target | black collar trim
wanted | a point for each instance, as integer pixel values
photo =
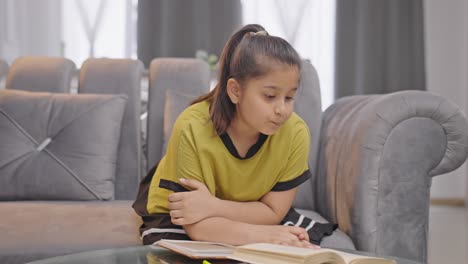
(252, 150)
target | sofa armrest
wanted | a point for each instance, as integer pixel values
(377, 157)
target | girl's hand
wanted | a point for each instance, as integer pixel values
(282, 235)
(191, 207)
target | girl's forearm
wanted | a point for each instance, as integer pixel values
(221, 230)
(256, 212)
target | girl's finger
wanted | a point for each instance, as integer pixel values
(175, 197)
(174, 206)
(178, 221)
(176, 213)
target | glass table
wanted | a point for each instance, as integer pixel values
(148, 255)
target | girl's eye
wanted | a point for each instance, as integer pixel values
(289, 98)
(270, 97)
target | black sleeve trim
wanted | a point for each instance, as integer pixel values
(288, 185)
(172, 186)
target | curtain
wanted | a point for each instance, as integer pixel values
(379, 46)
(179, 28)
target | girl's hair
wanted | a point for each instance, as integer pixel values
(246, 55)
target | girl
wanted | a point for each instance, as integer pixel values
(236, 156)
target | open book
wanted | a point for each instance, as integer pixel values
(262, 253)
(197, 249)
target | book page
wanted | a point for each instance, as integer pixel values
(204, 247)
(196, 248)
(360, 259)
(271, 254)
(285, 250)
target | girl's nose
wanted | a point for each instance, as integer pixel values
(279, 108)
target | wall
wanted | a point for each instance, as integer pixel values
(30, 28)
(446, 32)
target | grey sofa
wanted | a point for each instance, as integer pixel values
(3, 72)
(373, 157)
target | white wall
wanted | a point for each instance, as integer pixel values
(446, 31)
(30, 28)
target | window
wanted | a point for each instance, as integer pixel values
(99, 29)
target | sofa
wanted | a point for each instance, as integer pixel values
(3, 72)
(70, 162)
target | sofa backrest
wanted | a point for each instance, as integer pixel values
(308, 106)
(41, 74)
(188, 76)
(120, 76)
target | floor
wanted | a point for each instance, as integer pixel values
(448, 235)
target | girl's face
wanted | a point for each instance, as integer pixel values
(265, 103)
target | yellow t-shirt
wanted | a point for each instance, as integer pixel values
(275, 163)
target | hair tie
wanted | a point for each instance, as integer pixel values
(258, 33)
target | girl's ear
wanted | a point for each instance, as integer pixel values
(233, 89)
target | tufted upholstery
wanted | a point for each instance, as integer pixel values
(58, 146)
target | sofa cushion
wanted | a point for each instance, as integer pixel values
(34, 230)
(58, 146)
(175, 104)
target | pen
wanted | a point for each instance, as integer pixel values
(206, 262)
